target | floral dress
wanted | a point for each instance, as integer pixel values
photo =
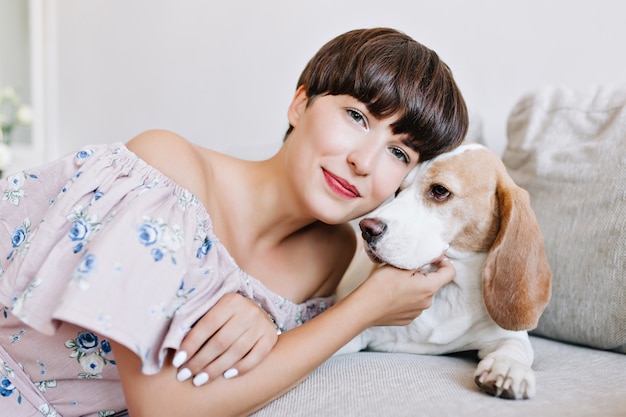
(100, 246)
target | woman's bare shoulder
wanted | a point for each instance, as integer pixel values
(174, 156)
(165, 150)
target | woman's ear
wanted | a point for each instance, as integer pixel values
(297, 106)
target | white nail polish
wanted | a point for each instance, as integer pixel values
(183, 375)
(231, 373)
(201, 379)
(179, 358)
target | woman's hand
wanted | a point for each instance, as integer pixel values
(398, 296)
(230, 339)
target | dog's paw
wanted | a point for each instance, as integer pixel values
(504, 377)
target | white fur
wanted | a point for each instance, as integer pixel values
(416, 234)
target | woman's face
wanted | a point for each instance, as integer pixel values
(344, 160)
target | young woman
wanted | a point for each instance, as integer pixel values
(109, 256)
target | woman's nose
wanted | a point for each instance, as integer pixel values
(362, 159)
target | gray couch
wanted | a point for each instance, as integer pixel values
(571, 381)
(568, 149)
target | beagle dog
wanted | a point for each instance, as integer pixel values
(465, 204)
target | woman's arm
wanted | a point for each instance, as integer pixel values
(388, 297)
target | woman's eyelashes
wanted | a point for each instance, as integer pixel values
(358, 117)
(400, 154)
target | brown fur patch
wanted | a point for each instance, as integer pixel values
(495, 216)
(473, 200)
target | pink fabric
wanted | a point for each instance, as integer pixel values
(100, 246)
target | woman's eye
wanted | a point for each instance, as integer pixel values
(440, 193)
(357, 117)
(400, 154)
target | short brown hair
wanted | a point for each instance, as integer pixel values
(391, 74)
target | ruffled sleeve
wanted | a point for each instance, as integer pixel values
(114, 247)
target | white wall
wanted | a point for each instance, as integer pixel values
(15, 54)
(222, 73)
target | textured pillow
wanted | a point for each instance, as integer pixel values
(568, 149)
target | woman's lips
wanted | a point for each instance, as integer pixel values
(341, 186)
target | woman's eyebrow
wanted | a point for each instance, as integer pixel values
(410, 143)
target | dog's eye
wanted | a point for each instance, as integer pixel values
(439, 192)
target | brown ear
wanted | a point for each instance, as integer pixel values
(516, 274)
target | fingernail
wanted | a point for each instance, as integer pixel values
(231, 373)
(201, 379)
(179, 358)
(183, 375)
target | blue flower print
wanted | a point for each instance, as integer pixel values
(78, 230)
(84, 154)
(86, 266)
(160, 237)
(17, 336)
(90, 354)
(20, 239)
(7, 388)
(148, 234)
(204, 248)
(87, 342)
(16, 180)
(157, 254)
(77, 233)
(97, 195)
(15, 193)
(106, 347)
(82, 228)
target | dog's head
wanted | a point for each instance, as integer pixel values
(465, 202)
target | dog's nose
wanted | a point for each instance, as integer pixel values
(372, 228)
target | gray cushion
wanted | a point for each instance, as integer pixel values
(568, 149)
(572, 381)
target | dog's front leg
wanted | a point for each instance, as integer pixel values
(506, 371)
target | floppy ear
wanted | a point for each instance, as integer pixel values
(516, 274)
